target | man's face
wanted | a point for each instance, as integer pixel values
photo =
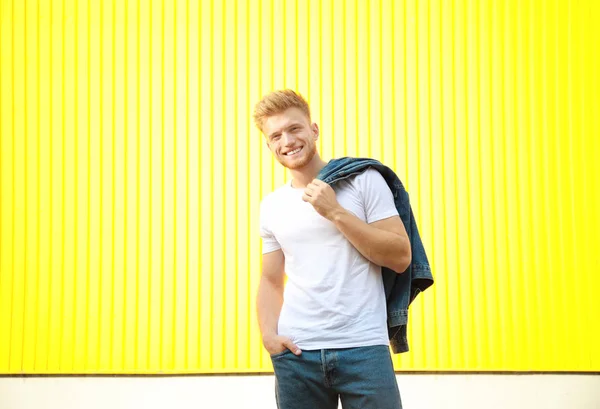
(291, 137)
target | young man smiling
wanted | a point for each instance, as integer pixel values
(326, 331)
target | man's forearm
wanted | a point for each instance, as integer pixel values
(381, 247)
(268, 302)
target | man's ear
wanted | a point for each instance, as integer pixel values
(315, 129)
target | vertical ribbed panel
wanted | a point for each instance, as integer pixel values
(131, 173)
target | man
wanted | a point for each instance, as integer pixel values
(327, 336)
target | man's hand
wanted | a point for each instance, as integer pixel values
(322, 197)
(276, 344)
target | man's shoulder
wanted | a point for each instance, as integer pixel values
(278, 194)
(369, 175)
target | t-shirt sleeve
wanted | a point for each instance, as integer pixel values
(269, 242)
(377, 196)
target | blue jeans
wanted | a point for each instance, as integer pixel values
(362, 378)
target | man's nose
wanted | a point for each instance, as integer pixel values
(287, 139)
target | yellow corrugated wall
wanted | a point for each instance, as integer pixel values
(131, 173)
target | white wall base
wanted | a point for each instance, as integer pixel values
(418, 392)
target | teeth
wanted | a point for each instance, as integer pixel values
(293, 152)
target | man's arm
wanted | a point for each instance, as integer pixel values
(269, 301)
(384, 242)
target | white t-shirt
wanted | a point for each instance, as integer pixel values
(334, 296)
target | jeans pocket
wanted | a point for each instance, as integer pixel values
(280, 354)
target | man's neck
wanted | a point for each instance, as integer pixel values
(302, 177)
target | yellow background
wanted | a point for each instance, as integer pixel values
(131, 173)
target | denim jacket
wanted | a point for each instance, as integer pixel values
(400, 289)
